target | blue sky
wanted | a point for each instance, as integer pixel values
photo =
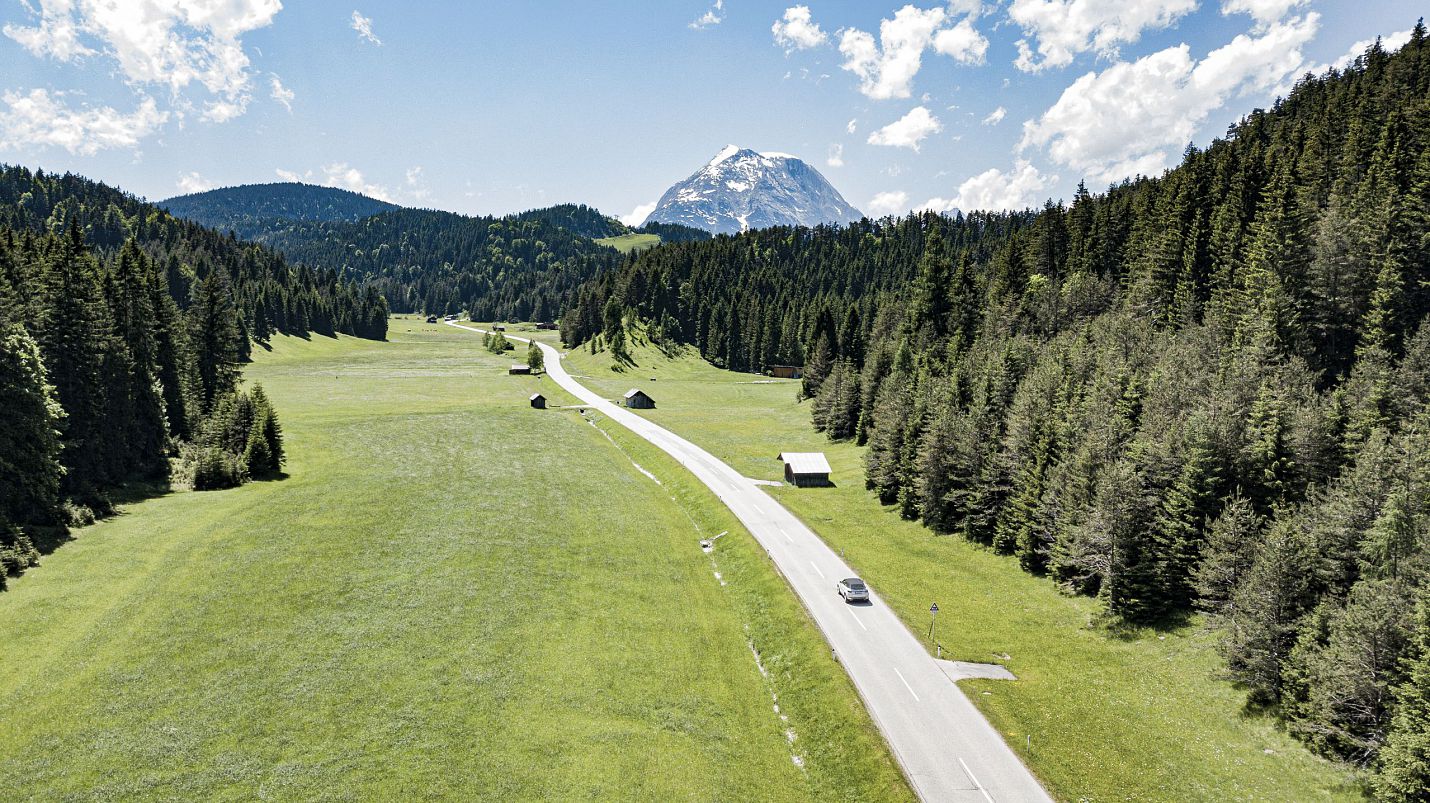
(494, 107)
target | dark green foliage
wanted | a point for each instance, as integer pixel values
(1205, 389)
(1405, 760)
(578, 219)
(29, 447)
(444, 263)
(673, 232)
(535, 360)
(253, 210)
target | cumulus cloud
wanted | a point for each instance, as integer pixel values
(1061, 29)
(344, 175)
(280, 93)
(797, 30)
(994, 190)
(1390, 42)
(908, 131)
(637, 216)
(363, 26)
(1264, 12)
(836, 156)
(193, 182)
(290, 175)
(996, 116)
(174, 44)
(851, 125)
(712, 16)
(886, 68)
(39, 118)
(962, 43)
(1128, 119)
(888, 203)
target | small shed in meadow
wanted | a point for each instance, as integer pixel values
(519, 368)
(805, 469)
(638, 400)
(786, 371)
(538, 401)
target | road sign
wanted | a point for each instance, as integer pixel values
(933, 608)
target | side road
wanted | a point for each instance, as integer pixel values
(947, 749)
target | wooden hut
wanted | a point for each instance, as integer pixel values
(786, 371)
(805, 469)
(538, 401)
(637, 399)
(519, 368)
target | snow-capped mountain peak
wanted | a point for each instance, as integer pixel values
(741, 189)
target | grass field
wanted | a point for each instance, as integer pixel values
(627, 243)
(1098, 715)
(450, 596)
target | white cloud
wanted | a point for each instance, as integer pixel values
(907, 131)
(887, 203)
(1390, 42)
(638, 215)
(1064, 28)
(994, 190)
(851, 125)
(886, 69)
(280, 93)
(415, 186)
(40, 119)
(363, 26)
(797, 31)
(1264, 12)
(344, 175)
(193, 182)
(1127, 119)
(996, 116)
(962, 43)
(171, 43)
(836, 156)
(713, 16)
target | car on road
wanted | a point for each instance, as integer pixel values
(852, 589)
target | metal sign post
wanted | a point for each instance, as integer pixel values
(933, 612)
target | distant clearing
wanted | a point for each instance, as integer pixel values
(626, 243)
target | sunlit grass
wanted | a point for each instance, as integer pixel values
(450, 596)
(1098, 715)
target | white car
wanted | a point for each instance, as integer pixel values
(852, 589)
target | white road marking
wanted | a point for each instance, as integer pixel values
(856, 616)
(816, 568)
(971, 777)
(901, 678)
(785, 534)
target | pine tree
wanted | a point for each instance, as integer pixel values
(30, 470)
(213, 335)
(1404, 763)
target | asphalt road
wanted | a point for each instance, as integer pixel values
(947, 749)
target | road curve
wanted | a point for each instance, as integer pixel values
(947, 749)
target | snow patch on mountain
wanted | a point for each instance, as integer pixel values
(740, 189)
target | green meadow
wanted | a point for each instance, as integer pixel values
(1096, 714)
(627, 243)
(449, 596)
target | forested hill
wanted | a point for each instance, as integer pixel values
(442, 262)
(255, 210)
(578, 219)
(271, 295)
(1203, 391)
(122, 334)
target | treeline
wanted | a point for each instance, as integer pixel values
(443, 263)
(1205, 391)
(104, 379)
(272, 296)
(257, 210)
